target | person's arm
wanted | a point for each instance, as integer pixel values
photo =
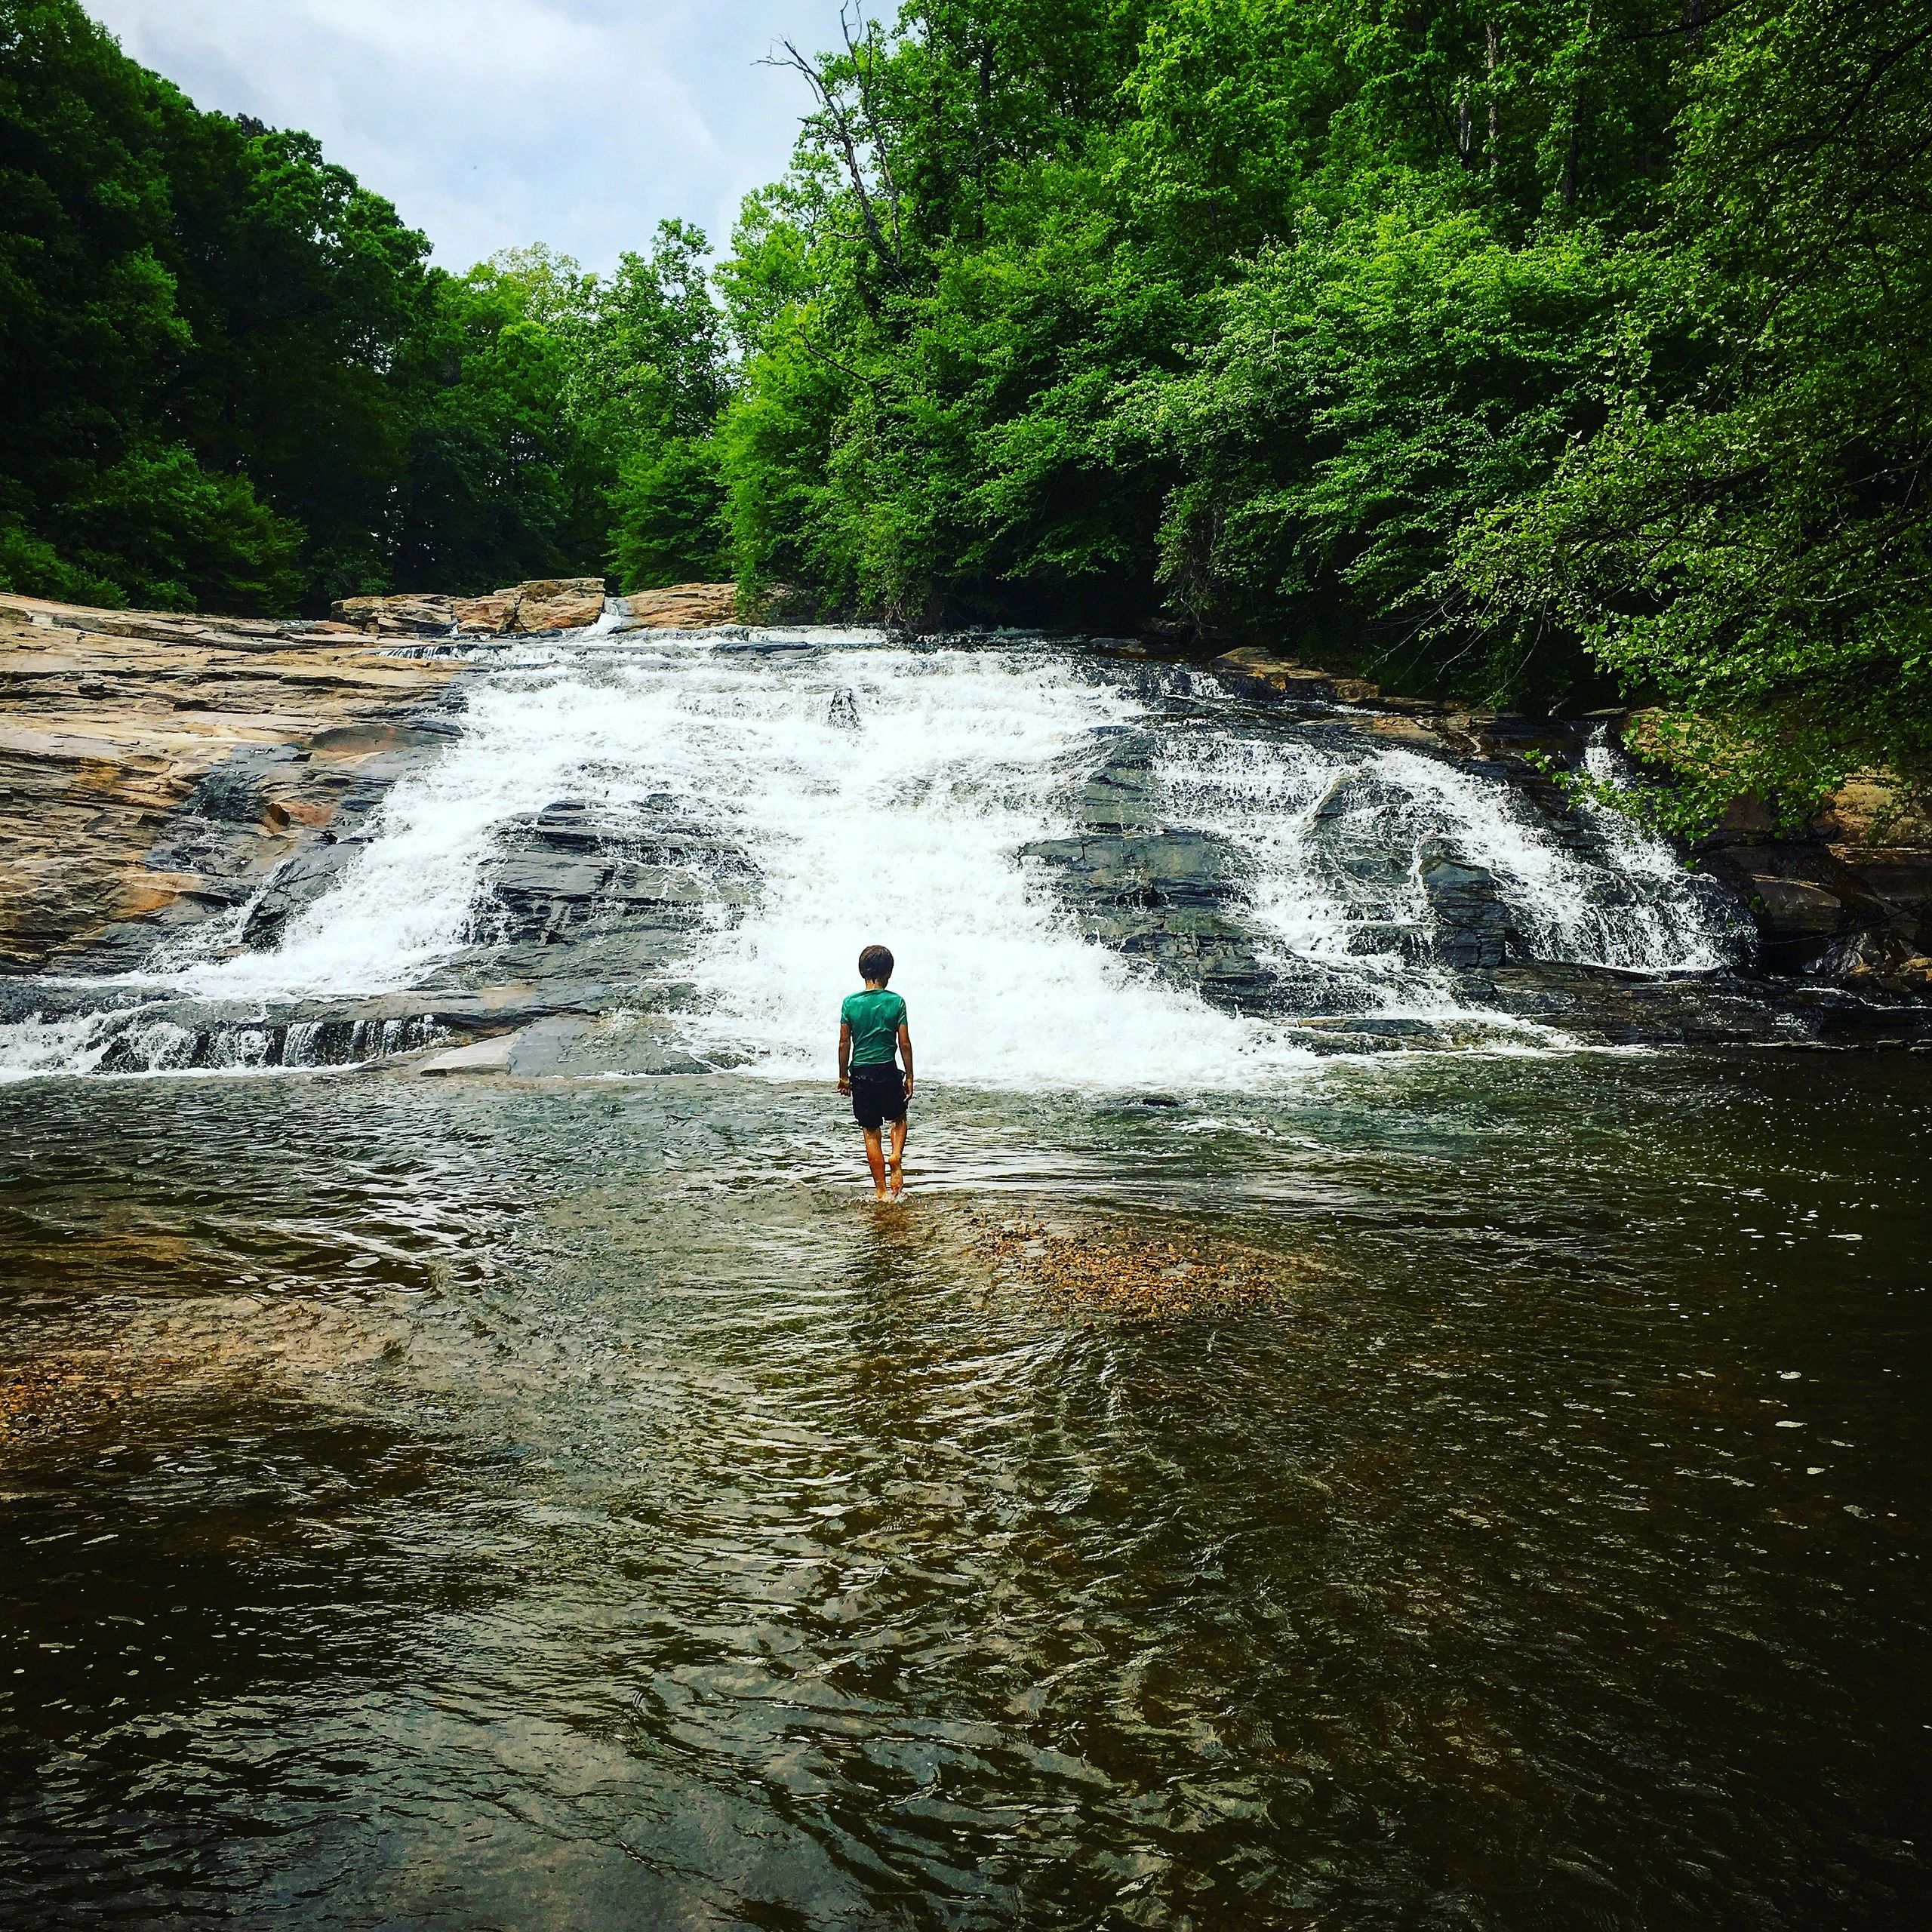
(906, 1054)
(844, 1057)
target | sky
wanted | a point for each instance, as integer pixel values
(493, 124)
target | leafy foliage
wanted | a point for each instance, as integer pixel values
(1527, 350)
(234, 381)
(1749, 534)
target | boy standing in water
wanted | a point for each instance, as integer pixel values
(870, 1025)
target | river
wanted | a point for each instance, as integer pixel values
(1415, 1469)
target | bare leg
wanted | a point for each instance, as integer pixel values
(876, 1160)
(898, 1161)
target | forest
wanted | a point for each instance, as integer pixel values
(1559, 353)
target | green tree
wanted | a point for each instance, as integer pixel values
(498, 485)
(656, 376)
(302, 292)
(98, 498)
(1749, 537)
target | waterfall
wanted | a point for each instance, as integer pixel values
(1332, 836)
(875, 790)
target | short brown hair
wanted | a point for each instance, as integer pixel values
(875, 963)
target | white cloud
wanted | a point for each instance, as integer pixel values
(493, 123)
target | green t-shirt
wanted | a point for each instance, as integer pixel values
(875, 1019)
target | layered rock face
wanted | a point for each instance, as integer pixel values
(685, 606)
(156, 769)
(1849, 898)
(159, 772)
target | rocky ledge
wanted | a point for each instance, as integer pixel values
(156, 769)
(525, 610)
(158, 772)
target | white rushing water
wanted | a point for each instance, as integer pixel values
(1332, 836)
(885, 793)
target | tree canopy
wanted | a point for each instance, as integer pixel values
(1539, 351)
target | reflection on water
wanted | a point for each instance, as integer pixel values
(571, 1504)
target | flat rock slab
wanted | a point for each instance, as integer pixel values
(534, 1050)
(480, 1056)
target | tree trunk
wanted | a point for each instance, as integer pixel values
(1573, 149)
(1492, 51)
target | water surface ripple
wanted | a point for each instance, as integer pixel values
(567, 1503)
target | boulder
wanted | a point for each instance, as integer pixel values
(1473, 922)
(407, 615)
(486, 617)
(1886, 961)
(685, 607)
(557, 604)
(546, 603)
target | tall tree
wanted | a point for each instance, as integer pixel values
(1750, 536)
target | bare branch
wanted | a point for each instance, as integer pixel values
(839, 123)
(859, 66)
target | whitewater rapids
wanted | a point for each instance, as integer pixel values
(887, 792)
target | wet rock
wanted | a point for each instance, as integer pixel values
(1601, 1005)
(1168, 899)
(491, 1056)
(1882, 961)
(1472, 921)
(243, 789)
(1124, 794)
(295, 887)
(1803, 896)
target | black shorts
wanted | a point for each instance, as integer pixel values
(878, 1094)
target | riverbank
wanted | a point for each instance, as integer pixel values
(157, 769)
(1845, 899)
